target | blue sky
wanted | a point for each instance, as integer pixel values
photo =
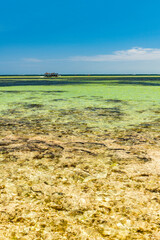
(84, 36)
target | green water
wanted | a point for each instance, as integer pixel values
(103, 103)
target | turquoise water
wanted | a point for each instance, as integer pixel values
(104, 104)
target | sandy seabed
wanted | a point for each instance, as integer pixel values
(76, 183)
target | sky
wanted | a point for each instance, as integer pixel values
(85, 36)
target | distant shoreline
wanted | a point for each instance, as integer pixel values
(85, 75)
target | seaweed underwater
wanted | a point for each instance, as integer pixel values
(80, 167)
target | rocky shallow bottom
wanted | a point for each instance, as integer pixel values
(65, 181)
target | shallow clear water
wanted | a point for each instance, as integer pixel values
(99, 103)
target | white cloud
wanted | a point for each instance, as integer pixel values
(36, 60)
(133, 54)
(32, 60)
